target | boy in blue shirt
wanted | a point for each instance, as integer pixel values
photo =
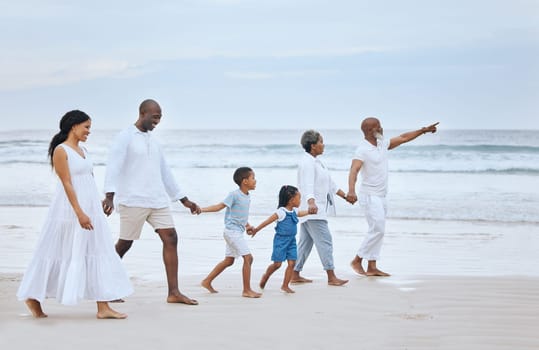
(237, 212)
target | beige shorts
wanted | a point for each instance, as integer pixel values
(132, 220)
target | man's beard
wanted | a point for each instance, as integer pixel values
(378, 136)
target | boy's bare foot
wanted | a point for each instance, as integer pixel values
(376, 272)
(208, 286)
(181, 299)
(110, 314)
(356, 266)
(263, 281)
(337, 282)
(35, 308)
(251, 294)
(300, 279)
(287, 289)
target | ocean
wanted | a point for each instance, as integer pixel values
(453, 175)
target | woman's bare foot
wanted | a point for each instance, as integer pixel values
(251, 294)
(110, 314)
(263, 281)
(356, 266)
(208, 286)
(35, 308)
(300, 279)
(376, 272)
(287, 289)
(337, 282)
(181, 299)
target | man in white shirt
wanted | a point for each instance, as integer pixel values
(141, 183)
(371, 159)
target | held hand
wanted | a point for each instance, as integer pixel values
(192, 206)
(313, 209)
(431, 128)
(85, 222)
(251, 231)
(351, 197)
(108, 206)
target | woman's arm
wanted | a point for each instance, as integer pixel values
(62, 170)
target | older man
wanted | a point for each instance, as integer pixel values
(371, 159)
(139, 176)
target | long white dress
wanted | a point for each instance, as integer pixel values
(69, 262)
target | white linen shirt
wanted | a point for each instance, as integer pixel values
(314, 181)
(137, 172)
(375, 167)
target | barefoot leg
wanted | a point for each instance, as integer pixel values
(269, 271)
(333, 280)
(356, 265)
(179, 298)
(35, 308)
(104, 311)
(372, 270)
(297, 278)
(220, 267)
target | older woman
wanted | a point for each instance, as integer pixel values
(317, 189)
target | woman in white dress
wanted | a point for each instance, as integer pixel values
(74, 257)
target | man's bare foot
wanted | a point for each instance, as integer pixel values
(376, 272)
(251, 294)
(300, 279)
(181, 299)
(110, 314)
(263, 281)
(208, 286)
(287, 289)
(356, 266)
(35, 308)
(337, 282)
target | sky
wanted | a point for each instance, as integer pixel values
(272, 64)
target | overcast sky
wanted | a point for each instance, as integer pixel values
(272, 63)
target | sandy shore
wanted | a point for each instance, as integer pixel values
(369, 313)
(455, 285)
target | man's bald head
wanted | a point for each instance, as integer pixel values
(146, 105)
(368, 124)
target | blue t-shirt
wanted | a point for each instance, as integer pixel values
(237, 210)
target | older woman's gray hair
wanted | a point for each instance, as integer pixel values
(309, 138)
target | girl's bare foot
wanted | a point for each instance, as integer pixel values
(110, 314)
(287, 289)
(251, 294)
(35, 308)
(208, 286)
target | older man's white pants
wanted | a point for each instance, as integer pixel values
(375, 209)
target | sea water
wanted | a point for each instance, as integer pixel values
(469, 175)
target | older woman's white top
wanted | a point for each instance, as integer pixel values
(314, 181)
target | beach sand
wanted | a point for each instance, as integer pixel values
(455, 285)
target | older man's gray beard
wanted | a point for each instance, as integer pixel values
(379, 136)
